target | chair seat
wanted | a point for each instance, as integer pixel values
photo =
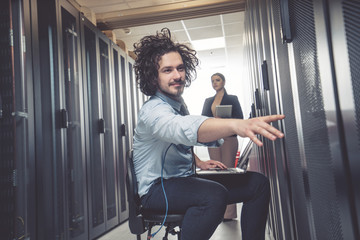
(153, 217)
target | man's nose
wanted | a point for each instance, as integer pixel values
(177, 74)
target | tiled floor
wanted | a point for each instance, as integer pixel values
(225, 231)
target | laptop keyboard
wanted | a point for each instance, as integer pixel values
(230, 170)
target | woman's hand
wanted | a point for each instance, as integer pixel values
(210, 164)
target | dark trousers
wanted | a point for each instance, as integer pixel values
(204, 201)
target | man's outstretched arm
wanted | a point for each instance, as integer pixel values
(216, 128)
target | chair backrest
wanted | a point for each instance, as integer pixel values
(136, 221)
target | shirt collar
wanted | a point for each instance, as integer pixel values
(173, 103)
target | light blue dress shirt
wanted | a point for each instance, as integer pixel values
(162, 133)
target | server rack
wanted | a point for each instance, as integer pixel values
(95, 161)
(71, 148)
(48, 163)
(280, 207)
(313, 197)
(133, 95)
(75, 52)
(119, 72)
(108, 107)
(343, 29)
(17, 150)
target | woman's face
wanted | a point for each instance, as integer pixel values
(217, 83)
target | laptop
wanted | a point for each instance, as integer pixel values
(223, 111)
(241, 166)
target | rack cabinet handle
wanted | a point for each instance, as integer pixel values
(64, 123)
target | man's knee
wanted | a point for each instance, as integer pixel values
(218, 196)
(263, 184)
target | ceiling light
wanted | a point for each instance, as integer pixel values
(127, 31)
(208, 43)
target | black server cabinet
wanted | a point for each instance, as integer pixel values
(275, 159)
(133, 96)
(101, 132)
(275, 68)
(309, 50)
(17, 149)
(119, 75)
(344, 28)
(49, 163)
(107, 128)
(127, 126)
(252, 61)
(71, 122)
(290, 178)
(270, 160)
(94, 140)
(310, 73)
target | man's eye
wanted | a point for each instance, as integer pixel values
(181, 69)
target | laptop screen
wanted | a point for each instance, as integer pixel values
(245, 153)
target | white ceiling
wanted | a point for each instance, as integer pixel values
(188, 20)
(228, 25)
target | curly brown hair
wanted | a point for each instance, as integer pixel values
(149, 51)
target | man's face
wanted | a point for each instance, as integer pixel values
(171, 78)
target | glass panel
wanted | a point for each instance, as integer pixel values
(96, 169)
(120, 111)
(133, 96)
(75, 168)
(108, 135)
(7, 193)
(21, 128)
(7, 153)
(125, 102)
(124, 105)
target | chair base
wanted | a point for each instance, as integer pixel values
(170, 228)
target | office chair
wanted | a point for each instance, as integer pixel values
(141, 219)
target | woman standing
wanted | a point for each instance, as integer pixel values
(227, 152)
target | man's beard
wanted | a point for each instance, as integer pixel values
(179, 91)
(177, 94)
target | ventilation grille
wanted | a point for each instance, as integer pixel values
(296, 179)
(317, 161)
(7, 195)
(352, 29)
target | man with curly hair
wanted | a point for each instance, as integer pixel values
(163, 140)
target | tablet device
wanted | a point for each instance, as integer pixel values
(223, 111)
